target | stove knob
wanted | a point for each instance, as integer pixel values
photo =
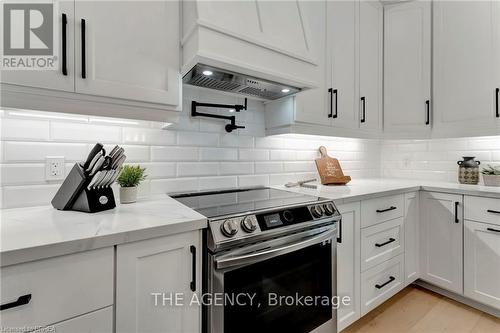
(287, 216)
(317, 211)
(248, 224)
(229, 228)
(329, 209)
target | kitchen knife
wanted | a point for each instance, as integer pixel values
(92, 163)
(99, 180)
(94, 180)
(118, 163)
(97, 165)
(97, 148)
(105, 179)
(117, 154)
(115, 177)
(113, 151)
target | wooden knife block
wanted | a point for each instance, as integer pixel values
(329, 170)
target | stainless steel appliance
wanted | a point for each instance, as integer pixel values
(273, 249)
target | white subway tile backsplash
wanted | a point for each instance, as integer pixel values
(153, 136)
(15, 151)
(173, 154)
(253, 155)
(236, 168)
(74, 132)
(218, 154)
(193, 154)
(197, 169)
(20, 129)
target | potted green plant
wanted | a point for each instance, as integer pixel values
(491, 175)
(130, 177)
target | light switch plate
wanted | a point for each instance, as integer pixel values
(55, 168)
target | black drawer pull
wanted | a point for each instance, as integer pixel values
(388, 242)
(339, 238)
(427, 112)
(64, 45)
(363, 110)
(457, 220)
(84, 51)
(22, 300)
(493, 211)
(386, 210)
(192, 284)
(380, 286)
(497, 90)
(491, 229)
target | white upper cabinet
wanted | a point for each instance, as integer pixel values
(130, 50)
(371, 18)
(466, 66)
(441, 244)
(407, 67)
(52, 79)
(342, 55)
(272, 40)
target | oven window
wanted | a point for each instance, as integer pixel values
(278, 284)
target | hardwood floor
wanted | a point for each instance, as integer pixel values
(418, 310)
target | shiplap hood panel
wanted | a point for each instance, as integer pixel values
(278, 41)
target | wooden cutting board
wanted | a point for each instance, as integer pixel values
(329, 170)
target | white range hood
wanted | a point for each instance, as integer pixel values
(273, 42)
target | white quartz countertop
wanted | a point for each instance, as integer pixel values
(362, 189)
(33, 233)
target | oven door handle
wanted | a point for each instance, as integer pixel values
(253, 257)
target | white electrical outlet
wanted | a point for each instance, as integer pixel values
(55, 168)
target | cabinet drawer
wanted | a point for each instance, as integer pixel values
(100, 321)
(59, 288)
(380, 283)
(482, 209)
(378, 210)
(381, 242)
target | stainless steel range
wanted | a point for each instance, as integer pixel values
(269, 259)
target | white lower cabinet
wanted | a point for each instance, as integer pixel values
(381, 282)
(149, 271)
(381, 242)
(482, 262)
(412, 237)
(348, 265)
(100, 321)
(441, 240)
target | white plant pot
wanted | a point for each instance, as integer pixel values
(491, 180)
(128, 194)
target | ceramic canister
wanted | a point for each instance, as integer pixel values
(468, 171)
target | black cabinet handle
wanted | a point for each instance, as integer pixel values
(332, 104)
(386, 210)
(22, 300)
(336, 93)
(496, 102)
(363, 109)
(491, 229)
(84, 65)
(64, 46)
(456, 212)
(192, 285)
(380, 286)
(339, 238)
(385, 243)
(493, 211)
(427, 112)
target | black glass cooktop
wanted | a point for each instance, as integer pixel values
(241, 200)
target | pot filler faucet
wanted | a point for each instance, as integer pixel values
(229, 127)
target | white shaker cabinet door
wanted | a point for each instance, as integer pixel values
(51, 79)
(371, 16)
(441, 240)
(128, 49)
(407, 67)
(161, 265)
(342, 29)
(466, 61)
(348, 264)
(482, 262)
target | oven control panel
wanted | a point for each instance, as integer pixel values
(236, 227)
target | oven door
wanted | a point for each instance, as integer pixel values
(280, 285)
